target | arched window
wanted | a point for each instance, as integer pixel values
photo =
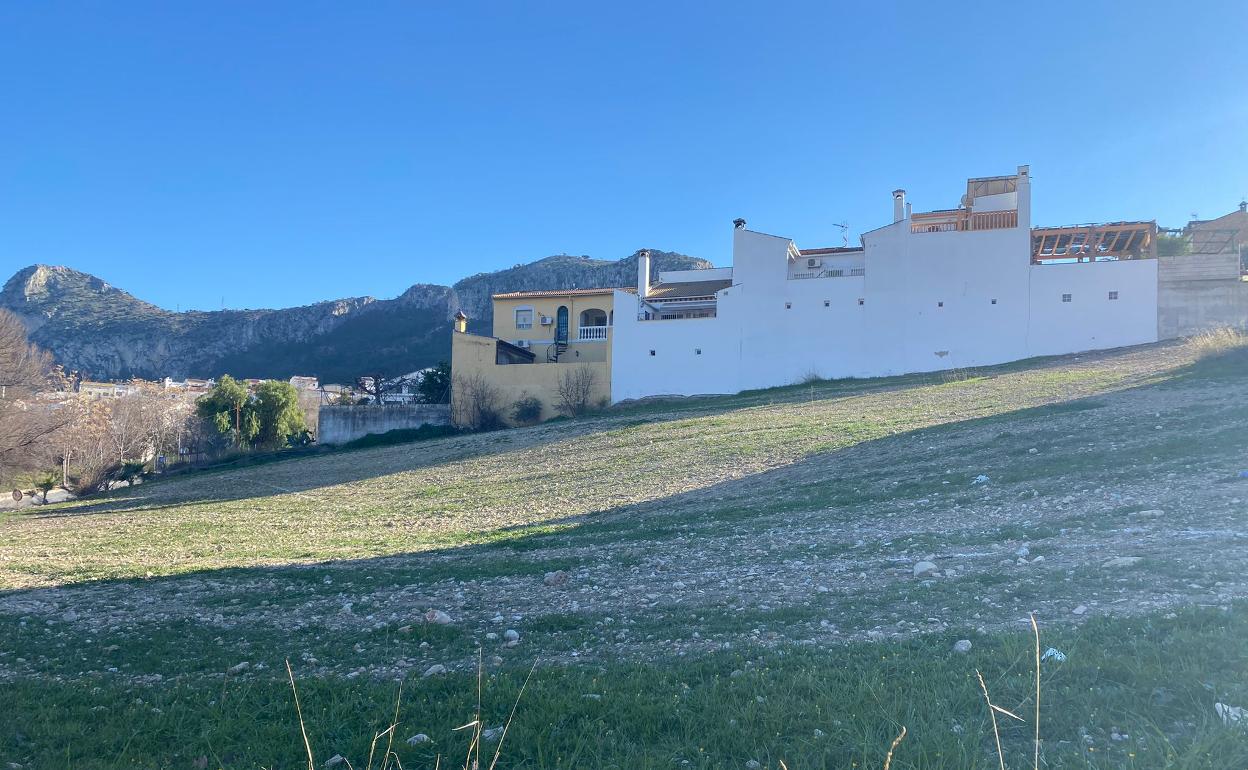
(561, 325)
(593, 317)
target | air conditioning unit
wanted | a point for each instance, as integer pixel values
(814, 263)
(547, 320)
(523, 344)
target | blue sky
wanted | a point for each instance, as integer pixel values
(280, 153)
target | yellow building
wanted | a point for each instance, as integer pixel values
(554, 346)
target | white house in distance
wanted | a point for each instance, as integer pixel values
(963, 287)
(944, 289)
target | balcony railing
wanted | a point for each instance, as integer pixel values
(592, 334)
(962, 221)
(836, 272)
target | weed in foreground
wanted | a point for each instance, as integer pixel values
(1212, 342)
(389, 759)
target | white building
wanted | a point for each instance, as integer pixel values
(945, 289)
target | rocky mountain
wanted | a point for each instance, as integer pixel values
(106, 333)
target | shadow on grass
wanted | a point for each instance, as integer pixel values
(359, 465)
(1152, 677)
(940, 462)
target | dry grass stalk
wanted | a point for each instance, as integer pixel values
(1035, 630)
(993, 709)
(1211, 342)
(388, 755)
(888, 758)
(498, 751)
(299, 712)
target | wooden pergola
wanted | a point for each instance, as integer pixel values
(1094, 242)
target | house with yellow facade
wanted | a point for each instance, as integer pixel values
(549, 345)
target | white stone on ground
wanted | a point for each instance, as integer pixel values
(924, 568)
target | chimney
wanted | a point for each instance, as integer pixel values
(643, 273)
(1243, 205)
(738, 224)
(461, 322)
(899, 205)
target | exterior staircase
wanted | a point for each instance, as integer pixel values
(554, 351)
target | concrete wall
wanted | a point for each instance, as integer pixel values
(1187, 308)
(1198, 267)
(1196, 292)
(340, 424)
(473, 356)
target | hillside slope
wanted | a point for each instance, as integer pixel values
(732, 580)
(106, 333)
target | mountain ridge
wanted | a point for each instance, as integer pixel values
(104, 332)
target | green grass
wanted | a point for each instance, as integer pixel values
(1153, 679)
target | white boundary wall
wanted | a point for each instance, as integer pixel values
(773, 330)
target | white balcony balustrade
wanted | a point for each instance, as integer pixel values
(592, 334)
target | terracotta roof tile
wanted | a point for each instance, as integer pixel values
(563, 292)
(829, 250)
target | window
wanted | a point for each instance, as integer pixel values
(940, 304)
(593, 317)
(994, 302)
(524, 318)
(1065, 298)
(1113, 295)
(861, 301)
(651, 352)
(827, 303)
(697, 351)
(788, 305)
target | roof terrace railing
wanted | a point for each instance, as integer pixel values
(836, 272)
(962, 221)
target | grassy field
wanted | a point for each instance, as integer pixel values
(705, 583)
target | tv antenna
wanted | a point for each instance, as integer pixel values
(844, 232)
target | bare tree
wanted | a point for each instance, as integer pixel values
(576, 390)
(28, 413)
(475, 403)
(24, 368)
(377, 387)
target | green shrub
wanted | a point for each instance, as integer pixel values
(527, 410)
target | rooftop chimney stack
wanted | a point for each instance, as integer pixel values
(461, 322)
(1243, 205)
(643, 273)
(738, 224)
(899, 205)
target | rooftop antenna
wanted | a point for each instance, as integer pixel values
(844, 232)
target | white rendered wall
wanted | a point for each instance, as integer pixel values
(909, 276)
(1092, 321)
(677, 367)
(687, 276)
(927, 305)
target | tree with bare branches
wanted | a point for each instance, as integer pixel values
(576, 390)
(475, 403)
(27, 420)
